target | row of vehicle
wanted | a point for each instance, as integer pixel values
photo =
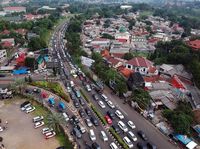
(27, 107)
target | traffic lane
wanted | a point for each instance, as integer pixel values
(116, 120)
(151, 132)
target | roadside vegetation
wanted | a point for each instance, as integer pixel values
(54, 87)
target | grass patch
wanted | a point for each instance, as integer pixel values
(99, 115)
(54, 87)
(85, 97)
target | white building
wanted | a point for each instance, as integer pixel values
(3, 55)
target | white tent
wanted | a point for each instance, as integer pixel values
(191, 145)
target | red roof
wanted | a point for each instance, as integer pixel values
(118, 55)
(153, 79)
(5, 32)
(113, 61)
(105, 53)
(6, 44)
(177, 83)
(15, 8)
(21, 31)
(126, 72)
(153, 40)
(140, 62)
(122, 40)
(21, 59)
(152, 69)
(195, 44)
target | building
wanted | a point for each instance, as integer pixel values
(195, 44)
(3, 55)
(141, 65)
(9, 10)
(125, 6)
(8, 42)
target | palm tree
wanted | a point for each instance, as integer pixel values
(55, 120)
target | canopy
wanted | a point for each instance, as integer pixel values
(182, 138)
(191, 145)
(51, 101)
(61, 105)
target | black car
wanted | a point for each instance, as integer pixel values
(76, 103)
(94, 121)
(81, 113)
(151, 145)
(37, 90)
(81, 101)
(95, 146)
(28, 91)
(116, 128)
(89, 113)
(95, 97)
(25, 103)
(72, 95)
(76, 132)
(142, 135)
(74, 119)
(111, 114)
(141, 145)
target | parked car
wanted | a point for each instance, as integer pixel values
(77, 133)
(94, 121)
(142, 135)
(122, 126)
(151, 145)
(88, 88)
(24, 105)
(104, 136)
(113, 146)
(119, 114)
(38, 119)
(108, 119)
(72, 95)
(95, 97)
(88, 122)
(81, 128)
(81, 113)
(88, 112)
(38, 124)
(110, 104)
(66, 117)
(132, 136)
(81, 101)
(104, 97)
(92, 135)
(37, 90)
(131, 124)
(76, 103)
(46, 130)
(96, 146)
(116, 128)
(50, 134)
(74, 119)
(128, 142)
(101, 104)
(29, 109)
(111, 115)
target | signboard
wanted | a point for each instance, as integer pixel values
(87, 61)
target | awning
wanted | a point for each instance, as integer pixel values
(183, 138)
(191, 145)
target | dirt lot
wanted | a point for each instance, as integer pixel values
(20, 133)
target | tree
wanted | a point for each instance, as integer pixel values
(107, 36)
(30, 62)
(131, 24)
(55, 120)
(18, 86)
(128, 56)
(36, 43)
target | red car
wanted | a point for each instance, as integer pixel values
(108, 119)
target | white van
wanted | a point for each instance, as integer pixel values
(113, 146)
(65, 116)
(71, 83)
(104, 136)
(92, 135)
(104, 97)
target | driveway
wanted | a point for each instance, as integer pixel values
(20, 133)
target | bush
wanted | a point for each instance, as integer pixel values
(99, 115)
(118, 138)
(53, 87)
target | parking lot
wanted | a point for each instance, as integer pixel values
(20, 132)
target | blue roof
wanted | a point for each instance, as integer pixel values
(61, 105)
(46, 58)
(20, 71)
(182, 138)
(51, 101)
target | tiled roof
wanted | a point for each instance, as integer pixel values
(105, 53)
(195, 44)
(126, 72)
(5, 32)
(140, 62)
(118, 55)
(6, 44)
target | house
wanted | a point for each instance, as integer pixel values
(21, 31)
(114, 62)
(135, 81)
(125, 72)
(141, 65)
(119, 47)
(5, 32)
(195, 44)
(3, 55)
(10, 41)
(13, 9)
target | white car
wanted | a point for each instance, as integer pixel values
(132, 136)
(69, 89)
(50, 134)
(122, 126)
(113, 146)
(119, 114)
(101, 104)
(110, 104)
(128, 142)
(104, 136)
(39, 124)
(71, 83)
(88, 122)
(88, 88)
(66, 117)
(46, 130)
(92, 135)
(131, 124)
(38, 118)
(29, 109)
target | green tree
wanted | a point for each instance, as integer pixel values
(128, 56)
(30, 62)
(36, 43)
(55, 120)
(18, 86)
(141, 97)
